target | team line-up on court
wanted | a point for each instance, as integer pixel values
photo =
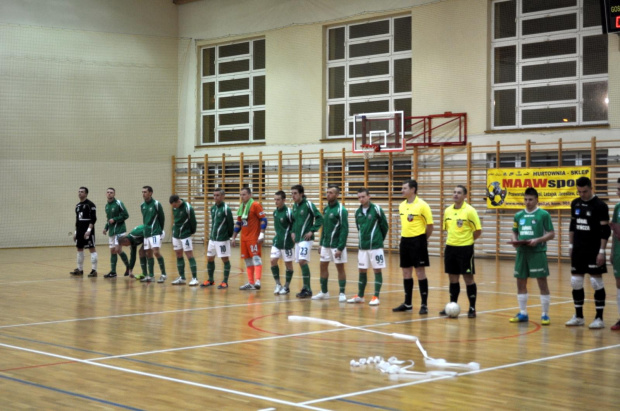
(295, 228)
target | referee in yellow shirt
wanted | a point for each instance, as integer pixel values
(461, 222)
(416, 223)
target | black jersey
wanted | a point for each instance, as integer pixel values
(585, 222)
(85, 214)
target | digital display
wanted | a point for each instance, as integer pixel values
(610, 14)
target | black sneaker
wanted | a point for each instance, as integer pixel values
(471, 313)
(93, 273)
(110, 275)
(76, 272)
(304, 293)
(423, 309)
(443, 313)
(126, 273)
(402, 308)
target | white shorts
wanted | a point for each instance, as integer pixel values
(185, 244)
(303, 250)
(376, 257)
(286, 255)
(113, 240)
(328, 254)
(219, 248)
(152, 242)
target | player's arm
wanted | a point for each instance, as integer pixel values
(383, 223)
(193, 224)
(161, 215)
(236, 230)
(230, 223)
(93, 220)
(344, 229)
(428, 216)
(475, 221)
(124, 215)
(263, 227)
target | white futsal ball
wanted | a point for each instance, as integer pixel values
(452, 310)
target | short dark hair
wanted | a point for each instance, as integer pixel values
(248, 189)
(148, 188)
(85, 189)
(531, 191)
(462, 187)
(174, 198)
(334, 186)
(220, 190)
(584, 182)
(111, 188)
(363, 190)
(412, 184)
(299, 188)
(282, 194)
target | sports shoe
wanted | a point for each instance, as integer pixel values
(126, 272)
(545, 320)
(257, 285)
(423, 309)
(443, 313)
(597, 324)
(616, 326)
(304, 293)
(247, 286)
(93, 273)
(471, 313)
(194, 282)
(321, 296)
(76, 272)
(356, 299)
(520, 318)
(402, 308)
(342, 298)
(207, 283)
(222, 286)
(162, 278)
(147, 279)
(110, 275)
(575, 321)
(374, 301)
(284, 290)
(179, 281)
(139, 276)
(277, 290)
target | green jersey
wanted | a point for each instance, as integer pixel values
(615, 242)
(306, 218)
(372, 227)
(532, 225)
(184, 221)
(283, 223)
(335, 226)
(115, 210)
(153, 218)
(222, 222)
(136, 236)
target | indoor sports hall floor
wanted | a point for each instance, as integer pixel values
(87, 343)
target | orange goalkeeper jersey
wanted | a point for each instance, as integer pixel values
(250, 228)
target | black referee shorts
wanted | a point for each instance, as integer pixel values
(459, 259)
(414, 252)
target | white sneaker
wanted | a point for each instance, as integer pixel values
(247, 286)
(374, 301)
(321, 296)
(277, 290)
(284, 290)
(356, 299)
(179, 281)
(257, 285)
(162, 278)
(575, 321)
(596, 324)
(194, 282)
(342, 298)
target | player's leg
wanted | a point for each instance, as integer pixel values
(406, 264)
(362, 266)
(112, 243)
(596, 280)
(302, 256)
(326, 257)
(421, 262)
(79, 258)
(177, 246)
(545, 300)
(289, 257)
(616, 326)
(150, 260)
(256, 251)
(93, 256)
(579, 296)
(340, 262)
(188, 249)
(275, 268)
(377, 259)
(211, 253)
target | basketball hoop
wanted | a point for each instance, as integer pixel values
(369, 150)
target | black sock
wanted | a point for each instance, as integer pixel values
(472, 293)
(578, 298)
(408, 284)
(599, 302)
(455, 290)
(423, 290)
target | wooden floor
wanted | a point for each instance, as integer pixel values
(87, 343)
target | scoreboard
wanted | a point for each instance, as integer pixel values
(610, 14)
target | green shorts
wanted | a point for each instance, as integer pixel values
(531, 265)
(616, 264)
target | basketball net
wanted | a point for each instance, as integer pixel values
(369, 150)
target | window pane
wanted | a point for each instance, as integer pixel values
(369, 49)
(549, 93)
(230, 136)
(594, 101)
(368, 69)
(402, 34)
(208, 62)
(504, 107)
(336, 120)
(259, 54)
(258, 91)
(336, 82)
(234, 101)
(369, 89)
(369, 29)
(259, 126)
(234, 66)
(505, 64)
(549, 24)
(234, 50)
(336, 44)
(595, 54)
(505, 19)
(233, 85)
(404, 105)
(549, 71)
(234, 118)
(549, 48)
(402, 75)
(208, 129)
(591, 13)
(208, 96)
(557, 115)
(369, 107)
(531, 6)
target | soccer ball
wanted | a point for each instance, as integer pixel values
(452, 310)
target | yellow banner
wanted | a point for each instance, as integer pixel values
(556, 186)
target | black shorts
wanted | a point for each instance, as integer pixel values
(459, 260)
(584, 262)
(414, 252)
(81, 242)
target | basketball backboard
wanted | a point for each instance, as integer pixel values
(385, 130)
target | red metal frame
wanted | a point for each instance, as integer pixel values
(428, 127)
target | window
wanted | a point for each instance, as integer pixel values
(368, 71)
(232, 93)
(229, 178)
(549, 64)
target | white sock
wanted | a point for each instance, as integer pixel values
(522, 298)
(80, 260)
(618, 300)
(93, 260)
(545, 301)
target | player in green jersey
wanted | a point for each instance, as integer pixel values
(222, 226)
(116, 214)
(283, 245)
(614, 257)
(153, 218)
(134, 239)
(531, 230)
(183, 228)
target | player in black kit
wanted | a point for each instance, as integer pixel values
(84, 235)
(589, 231)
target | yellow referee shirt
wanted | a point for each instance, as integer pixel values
(460, 223)
(414, 217)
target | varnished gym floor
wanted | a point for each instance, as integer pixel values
(87, 343)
